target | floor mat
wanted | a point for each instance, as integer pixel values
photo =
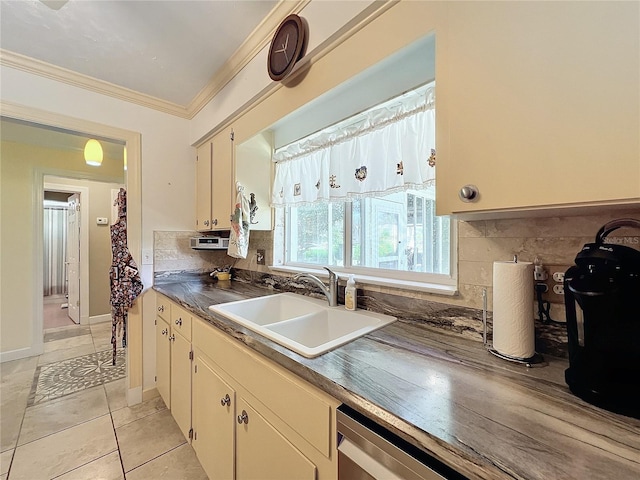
(62, 378)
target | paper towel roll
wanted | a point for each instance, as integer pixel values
(513, 326)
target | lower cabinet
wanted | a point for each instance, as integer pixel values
(263, 453)
(254, 420)
(213, 417)
(173, 361)
(181, 382)
(247, 417)
(163, 360)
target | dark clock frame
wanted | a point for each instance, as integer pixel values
(282, 55)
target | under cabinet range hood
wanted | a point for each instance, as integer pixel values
(209, 243)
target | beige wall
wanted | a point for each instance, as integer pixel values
(99, 242)
(22, 167)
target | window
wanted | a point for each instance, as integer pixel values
(360, 197)
(397, 233)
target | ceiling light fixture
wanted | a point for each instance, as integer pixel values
(93, 153)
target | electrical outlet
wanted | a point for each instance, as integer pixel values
(559, 289)
(260, 253)
(558, 277)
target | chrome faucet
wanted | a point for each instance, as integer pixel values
(331, 292)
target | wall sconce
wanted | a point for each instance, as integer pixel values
(125, 158)
(93, 153)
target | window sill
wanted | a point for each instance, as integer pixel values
(437, 289)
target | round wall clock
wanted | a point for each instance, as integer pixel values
(287, 47)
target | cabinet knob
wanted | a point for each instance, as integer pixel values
(243, 418)
(214, 222)
(161, 308)
(165, 331)
(469, 193)
(172, 338)
(225, 401)
(179, 321)
(206, 223)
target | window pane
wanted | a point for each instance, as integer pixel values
(400, 232)
(316, 234)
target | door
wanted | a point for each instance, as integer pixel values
(73, 257)
(258, 444)
(180, 384)
(213, 421)
(163, 360)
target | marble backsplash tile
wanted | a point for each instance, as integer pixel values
(555, 241)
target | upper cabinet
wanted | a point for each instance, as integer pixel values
(214, 183)
(222, 192)
(203, 187)
(537, 105)
(254, 171)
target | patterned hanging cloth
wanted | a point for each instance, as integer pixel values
(124, 276)
(240, 222)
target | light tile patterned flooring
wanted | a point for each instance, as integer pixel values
(73, 423)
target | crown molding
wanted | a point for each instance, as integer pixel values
(255, 42)
(63, 75)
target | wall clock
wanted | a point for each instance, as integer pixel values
(287, 47)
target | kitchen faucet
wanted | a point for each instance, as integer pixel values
(330, 292)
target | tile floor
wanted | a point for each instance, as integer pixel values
(64, 415)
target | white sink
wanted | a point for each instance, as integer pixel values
(307, 326)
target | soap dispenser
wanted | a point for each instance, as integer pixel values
(350, 294)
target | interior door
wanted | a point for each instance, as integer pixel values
(73, 257)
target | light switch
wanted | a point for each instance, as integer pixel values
(102, 221)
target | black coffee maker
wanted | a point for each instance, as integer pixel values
(602, 301)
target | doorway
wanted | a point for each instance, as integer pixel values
(61, 238)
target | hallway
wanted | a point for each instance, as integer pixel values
(64, 415)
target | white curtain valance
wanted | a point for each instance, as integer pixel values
(386, 149)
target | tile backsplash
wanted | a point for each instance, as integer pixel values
(555, 241)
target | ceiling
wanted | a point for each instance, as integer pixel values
(168, 50)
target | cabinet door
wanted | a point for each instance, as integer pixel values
(203, 187)
(538, 104)
(222, 194)
(262, 453)
(163, 360)
(213, 421)
(181, 382)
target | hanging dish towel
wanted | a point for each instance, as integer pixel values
(239, 235)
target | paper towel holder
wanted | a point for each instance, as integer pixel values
(536, 360)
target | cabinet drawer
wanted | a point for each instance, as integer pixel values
(297, 403)
(163, 307)
(181, 321)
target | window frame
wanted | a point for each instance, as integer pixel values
(441, 284)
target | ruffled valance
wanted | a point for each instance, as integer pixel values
(385, 149)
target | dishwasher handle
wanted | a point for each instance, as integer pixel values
(365, 461)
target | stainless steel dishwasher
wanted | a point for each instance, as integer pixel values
(367, 451)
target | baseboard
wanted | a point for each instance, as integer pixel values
(134, 396)
(21, 353)
(106, 317)
(149, 394)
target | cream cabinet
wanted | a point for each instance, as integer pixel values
(181, 356)
(537, 105)
(259, 444)
(222, 191)
(248, 411)
(214, 183)
(163, 360)
(214, 403)
(173, 361)
(203, 187)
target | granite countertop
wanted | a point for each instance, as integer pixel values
(484, 417)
